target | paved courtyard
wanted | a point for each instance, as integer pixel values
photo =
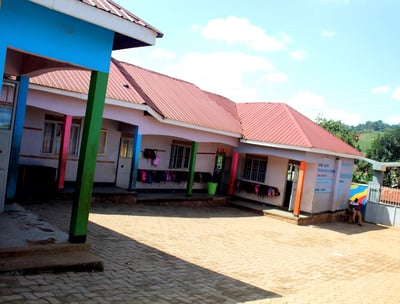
(164, 254)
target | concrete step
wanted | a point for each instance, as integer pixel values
(49, 258)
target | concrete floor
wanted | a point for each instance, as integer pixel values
(21, 228)
(165, 254)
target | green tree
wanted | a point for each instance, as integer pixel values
(339, 129)
(362, 172)
(386, 148)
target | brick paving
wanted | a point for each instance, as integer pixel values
(164, 254)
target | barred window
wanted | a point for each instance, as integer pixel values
(51, 143)
(180, 156)
(126, 150)
(255, 169)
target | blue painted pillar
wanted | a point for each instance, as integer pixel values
(20, 109)
(137, 142)
(3, 52)
(87, 157)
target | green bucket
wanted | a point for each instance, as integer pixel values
(212, 188)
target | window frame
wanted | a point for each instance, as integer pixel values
(55, 141)
(102, 148)
(180, 159)
(255, 168)
(126, 147)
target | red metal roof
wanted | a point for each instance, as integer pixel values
(179, 100)
(227, 104)
(78, 81)
(117, 10)
(277, 123)
(183, 102)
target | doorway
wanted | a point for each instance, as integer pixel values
(8, 99)
(124, 162)
(291, 184)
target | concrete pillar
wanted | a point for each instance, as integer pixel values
(300, 186)
(232, 176)
(87, 157)
(137, 142)
(20, 109)
(378, 177)
(192, 168)
(62, 157)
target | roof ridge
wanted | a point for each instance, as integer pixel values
(155, 72)
(113, 7)
(136, 86)
(290, 110)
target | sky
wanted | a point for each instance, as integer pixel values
(335, 59)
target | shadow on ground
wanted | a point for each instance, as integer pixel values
(134, 272)
(350, 229)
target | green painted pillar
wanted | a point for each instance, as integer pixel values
(192, 168)
(87, 157)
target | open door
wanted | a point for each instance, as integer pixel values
(124, 162)
(7, 112)
(291, 184)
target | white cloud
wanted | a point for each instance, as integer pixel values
(221, 72)
(299, 54)
(239, 30)
(129, 56)
(396, 93)
(328, 34)
(381, 89)
(161, 53)
(277, 77)
(394, 120)
(313, 105)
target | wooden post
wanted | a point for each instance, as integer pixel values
(87, 157)
(300, 185)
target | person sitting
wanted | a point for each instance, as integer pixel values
(355, 208)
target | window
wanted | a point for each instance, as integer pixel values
(126, 148)
(7, 104)
(52, 136)
(255, 168)
(180, 156)
(102, 142)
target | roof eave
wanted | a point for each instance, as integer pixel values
(135, 106)
(140, 35)
(182, 124)
(304, 149)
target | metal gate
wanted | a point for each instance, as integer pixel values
(383, 205)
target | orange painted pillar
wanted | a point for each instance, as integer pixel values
(234, 164)
(62, 158)
(299, 192)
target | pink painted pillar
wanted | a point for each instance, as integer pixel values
(62, 158)
(235, 159)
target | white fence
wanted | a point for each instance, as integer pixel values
(383, 205)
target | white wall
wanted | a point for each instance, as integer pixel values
(204, 162)
(307, 198)
(275, 177)
(32, 139)
(327, 185)
(148, 125)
